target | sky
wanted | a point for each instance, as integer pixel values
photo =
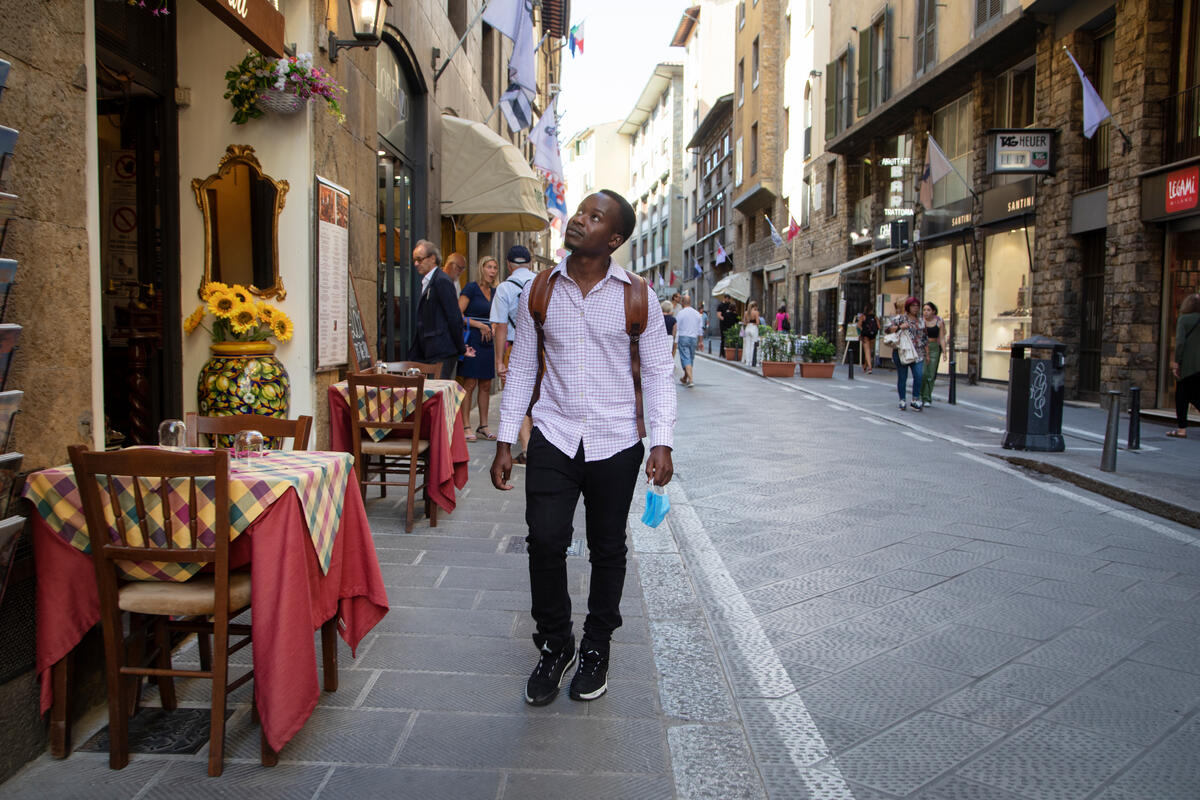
(623, 40)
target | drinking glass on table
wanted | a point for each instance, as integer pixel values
(172, 433)
(247, 445)
(414, 372)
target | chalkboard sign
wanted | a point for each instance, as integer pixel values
(360, 354)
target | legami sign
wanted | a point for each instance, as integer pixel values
(1182, 190)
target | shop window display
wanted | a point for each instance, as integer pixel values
(946, 286)
(1007, 299)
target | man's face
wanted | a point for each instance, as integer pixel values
(423, 261)
(455, 264)
(595, 226)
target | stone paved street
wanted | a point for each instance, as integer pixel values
(836, 608)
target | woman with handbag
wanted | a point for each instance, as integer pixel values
(912, 347)
(1186, 364)
(750, 333)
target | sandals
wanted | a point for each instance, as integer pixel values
(469, 435)
(483, 431)
(1176, 434)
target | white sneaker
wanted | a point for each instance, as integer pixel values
(903, 405)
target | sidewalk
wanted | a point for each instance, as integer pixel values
(1159, 478)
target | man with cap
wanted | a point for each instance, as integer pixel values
(504, 322)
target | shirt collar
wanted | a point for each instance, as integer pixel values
(615, 270)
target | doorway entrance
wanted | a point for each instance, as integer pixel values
(1091, 316)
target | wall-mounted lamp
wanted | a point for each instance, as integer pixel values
(815, 73)
(367, 19)
(854, 28)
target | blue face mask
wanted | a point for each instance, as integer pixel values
(657, 506)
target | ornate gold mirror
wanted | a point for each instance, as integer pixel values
(241, 208)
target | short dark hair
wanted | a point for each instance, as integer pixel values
(1190, 304)
(628, 215)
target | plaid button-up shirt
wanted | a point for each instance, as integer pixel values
(587, 391)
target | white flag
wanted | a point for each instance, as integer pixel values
(546, 156)
(514, 104)
(514, 19)
(937, 166)
(1094, 110)
(776, 239)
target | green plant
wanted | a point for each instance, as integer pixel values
(818, 349)
(731, 337)
(255, 74)
(777, 346)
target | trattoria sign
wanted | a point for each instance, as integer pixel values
(1021, 150)
(1167, 195)
(256, 21)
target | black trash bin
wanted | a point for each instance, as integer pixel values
(1035, 397)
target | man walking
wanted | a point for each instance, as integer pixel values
(727, 315)
(585, 438)
(503, 320)
(439, 335)
(689, 327)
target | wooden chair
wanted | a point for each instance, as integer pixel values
(430, 371)
(270, 427)
(217, 596)
(404, 451)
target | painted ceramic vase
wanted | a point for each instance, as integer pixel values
(243, 378)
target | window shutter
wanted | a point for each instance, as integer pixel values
(864, 72)
(981, 12)
(885, 91)
(919, 39)
(831, 90)
(930, 33)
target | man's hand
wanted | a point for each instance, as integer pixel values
(658, 465)
(502, 466)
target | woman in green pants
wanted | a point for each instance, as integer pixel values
(935, 329)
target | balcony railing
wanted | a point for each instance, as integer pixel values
(1096, 153)
(1181, 125)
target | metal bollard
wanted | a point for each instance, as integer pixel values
(1108, 458)
(754, 355)
(953, 381)
(1134, 440)
(850, 368)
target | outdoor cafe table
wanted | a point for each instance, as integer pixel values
(441, 424)
(297, 519)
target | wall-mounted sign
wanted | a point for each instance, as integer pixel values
(256, 21)
(1168, 195)
(1007, 201)
(949, 218)
(1021, 150)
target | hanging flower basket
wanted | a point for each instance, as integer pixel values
(280, 102)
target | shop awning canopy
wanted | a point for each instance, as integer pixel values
(830, 276)
(736, 285)
(486, 183)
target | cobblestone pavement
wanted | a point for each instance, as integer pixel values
(834, 609)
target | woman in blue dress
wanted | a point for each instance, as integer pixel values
(475, 302)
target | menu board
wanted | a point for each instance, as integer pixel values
(332, 285)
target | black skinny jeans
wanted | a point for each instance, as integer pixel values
(1187, 392)
(553, 483)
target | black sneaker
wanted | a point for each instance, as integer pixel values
(543, 684)
(591, 679)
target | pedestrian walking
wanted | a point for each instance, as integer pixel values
(668, 309)
(689, 327)
(727, 315)
(782, 321)
(1186, 364)
(475, 302)
(582, 381)
(909, 350)
(868, 329)
(750, 333)
(935, 334)
(504, 315)
(439, 330)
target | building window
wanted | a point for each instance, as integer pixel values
(1098, 149)
(831, 188)
(953, 131)
(653, 246)
(874, 56)
(845, 89)
(1015, 94)
(925, 36)
(741, 14)
(633, 253)
(741, 81)
(808, 14)
(754, 149)
(987, 10)
(806, 202)
(787, 37)
(754, 64)
(808, 119)
(663, 240)
(737, 163)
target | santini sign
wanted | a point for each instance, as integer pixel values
(1021, 150)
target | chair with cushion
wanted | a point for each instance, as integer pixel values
(403, 451)
(270, 427)
(430, 371)
(137, 481)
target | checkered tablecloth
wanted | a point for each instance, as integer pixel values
(378, 403)
(319, 479)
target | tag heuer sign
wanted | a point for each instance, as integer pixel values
(1021, 150)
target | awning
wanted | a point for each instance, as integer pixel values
(257, 21)
(736, 285)
(486, 183)
(855, 264)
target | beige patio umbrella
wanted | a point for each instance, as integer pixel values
(486, 183)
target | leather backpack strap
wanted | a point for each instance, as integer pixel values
(539, 301)
(636, 315)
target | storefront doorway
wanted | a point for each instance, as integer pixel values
(139, 232)
(1181, 278)
(1091, 313)
(1007, 298)
(947, 287)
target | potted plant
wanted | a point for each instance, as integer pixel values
(732, 342)
(777, 349)
(816, 357)
(284, 85)
(243, 376)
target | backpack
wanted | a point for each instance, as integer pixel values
(786, 324)
(636, 315)
(870, 327)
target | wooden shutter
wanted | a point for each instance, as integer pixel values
(831, 90)
(930, 33)
(885, 91)
(864, 72)
(919, 39)
(848, 88)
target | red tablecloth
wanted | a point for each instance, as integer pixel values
(292, 598)
(449, 469)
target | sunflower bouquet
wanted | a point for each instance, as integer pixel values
(237, 317)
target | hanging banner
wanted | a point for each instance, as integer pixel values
(333, 275)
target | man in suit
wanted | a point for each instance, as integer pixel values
(439, 335)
